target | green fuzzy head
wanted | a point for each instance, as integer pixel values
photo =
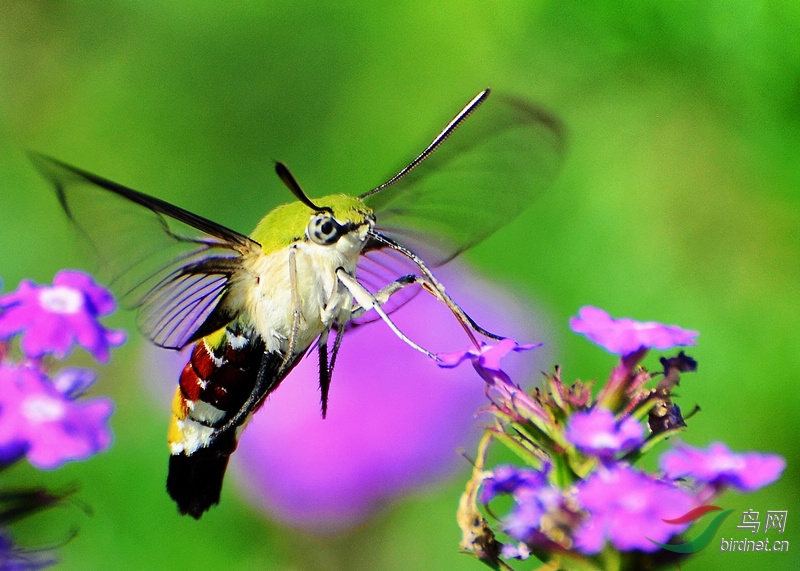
(286, 224)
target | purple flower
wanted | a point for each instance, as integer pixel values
(73, 382)
(14, 558)
(508, 479)
(625, 336)
(50, 428)
(486, 360)
(596, 432)
(395, 419)
(524, 521)
(53, 318)
(519, 551)
(719, 466)
(626, 508)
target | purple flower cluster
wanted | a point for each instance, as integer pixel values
(14, 558)
(627, 508)
(42, 417)
(533, 498)
(580, 494)
(39, 415)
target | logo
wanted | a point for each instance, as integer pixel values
(701, 540)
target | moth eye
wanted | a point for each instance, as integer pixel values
(323, 229)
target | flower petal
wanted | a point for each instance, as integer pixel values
(719, 466)
(598, 433)
(625, 336)
(52, 319)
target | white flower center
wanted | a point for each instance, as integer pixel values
(722, 464)
(61, 299)
(604, 440)
(41, 408)
(634, 502)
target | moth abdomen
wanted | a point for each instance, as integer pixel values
(214, 385)
(221, 377)
(194, 481)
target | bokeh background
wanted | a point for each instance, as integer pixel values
(678, 202)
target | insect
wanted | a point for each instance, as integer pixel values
(252, 306)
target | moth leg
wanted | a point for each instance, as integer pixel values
(296, 313)
(325, 371)
(432, 286)
(337, 344)
(266, 381)
(429, 283)
(327, 360)
(382, 295)
(368, 301)
(268, 377)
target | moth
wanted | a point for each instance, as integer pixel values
(311, 270)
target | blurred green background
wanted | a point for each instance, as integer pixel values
(678, 202)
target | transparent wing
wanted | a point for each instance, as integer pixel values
(171, 265)
(480, 172)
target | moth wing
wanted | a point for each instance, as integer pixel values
(488, 164)
(171, 265)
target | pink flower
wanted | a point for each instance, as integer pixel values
(44, 424)
(717, 465)
(626, 507)
(486, 359)
(625, 336)
(598, 433)
(51, 319)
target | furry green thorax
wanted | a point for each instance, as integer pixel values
(287, 223)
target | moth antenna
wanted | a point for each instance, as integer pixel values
(291, 183)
